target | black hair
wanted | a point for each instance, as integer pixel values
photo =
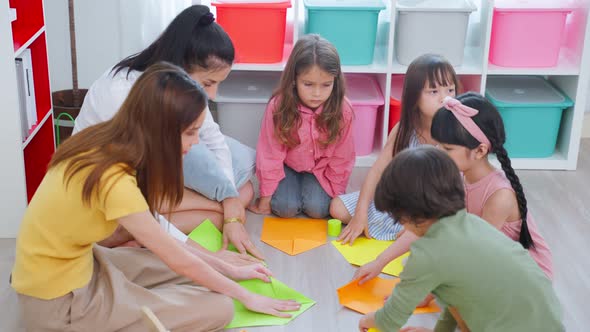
(446, 129)
(191, 40)
(420, 183)
(433, 69)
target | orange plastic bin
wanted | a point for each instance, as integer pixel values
(256, 29)
(395, 104)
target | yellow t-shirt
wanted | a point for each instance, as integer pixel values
(54, 245)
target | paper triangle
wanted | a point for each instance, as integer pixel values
(366, 250)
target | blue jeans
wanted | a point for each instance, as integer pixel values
(203, 174)
(300, 192)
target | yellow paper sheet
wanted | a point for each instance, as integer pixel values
(366, 250)
(294, 236)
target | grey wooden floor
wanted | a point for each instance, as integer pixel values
(557, 199)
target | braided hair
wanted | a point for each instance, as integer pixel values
(446, 129)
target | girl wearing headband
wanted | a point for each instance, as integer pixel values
(469, 128)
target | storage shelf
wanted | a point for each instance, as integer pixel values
(568, 64)
(278, 66)
(472, 63)
(555, 162)
(36, 129)
(474, 72)
(20, 47)
(379, 64)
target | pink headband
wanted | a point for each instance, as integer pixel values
(464, 114)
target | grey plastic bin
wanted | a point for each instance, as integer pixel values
(431, 26)
(241, 102)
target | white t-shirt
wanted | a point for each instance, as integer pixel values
(106, 95)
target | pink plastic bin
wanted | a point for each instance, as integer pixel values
(364, 93)
(527, 33)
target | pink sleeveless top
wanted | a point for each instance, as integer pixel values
(476, 195)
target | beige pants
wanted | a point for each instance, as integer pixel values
(124, 279)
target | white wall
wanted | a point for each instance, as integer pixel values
(106, 32)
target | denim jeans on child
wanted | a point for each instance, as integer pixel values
(203, 174)
(300, 192)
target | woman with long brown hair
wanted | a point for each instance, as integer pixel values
(119, 173)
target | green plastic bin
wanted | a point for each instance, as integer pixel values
(531, 109)
(351, 25)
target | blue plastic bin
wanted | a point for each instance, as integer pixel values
(351, 25)
(531, 109)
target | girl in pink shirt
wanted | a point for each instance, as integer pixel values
(469, 128)
(305, 151)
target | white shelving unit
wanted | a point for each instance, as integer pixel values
(24, 159)
(571, 75)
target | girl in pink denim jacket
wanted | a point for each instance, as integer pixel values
(305, 151)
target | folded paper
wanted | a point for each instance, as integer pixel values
(371, 295)
(208, 236)
(366, 250)
(294, 236)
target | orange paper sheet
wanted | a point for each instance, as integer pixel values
(294, 236)
(370, 296)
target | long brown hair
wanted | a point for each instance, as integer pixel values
(309, 50)
(431, 68)
(144, 137)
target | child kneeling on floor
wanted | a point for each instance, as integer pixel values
(491, 281)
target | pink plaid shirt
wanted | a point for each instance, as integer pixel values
(331, 165)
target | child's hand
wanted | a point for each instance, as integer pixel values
(367, 322)
(261, 206)
(252, 271)
(368, 271)
(415, 329)
(426, 301)
(357, 225)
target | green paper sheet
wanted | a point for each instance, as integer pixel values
(366, 250)
(208, 236)
(275, 289)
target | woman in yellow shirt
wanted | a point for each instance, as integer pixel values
(121, 172)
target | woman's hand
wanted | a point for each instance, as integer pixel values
(235, 233)
(252, 271)
(357, 225)
(266, 305)
(235, 259)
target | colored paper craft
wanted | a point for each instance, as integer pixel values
(366, 250)
(208, 236)
(370, 296)
(275, 289)
(294, 236)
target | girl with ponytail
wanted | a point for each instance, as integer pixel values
(468, 129)
(217, 171)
